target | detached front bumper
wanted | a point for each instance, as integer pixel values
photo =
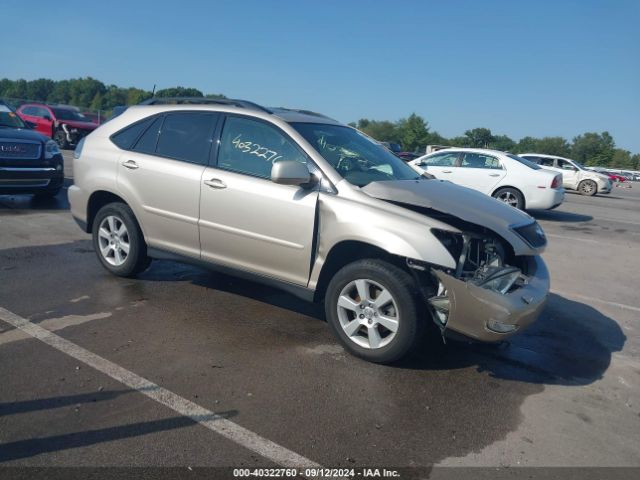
(488, 316)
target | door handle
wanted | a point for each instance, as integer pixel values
(494, 174)
(215, 183)
(446, 171)
(130, 164)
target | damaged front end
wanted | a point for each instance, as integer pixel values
(490, 294)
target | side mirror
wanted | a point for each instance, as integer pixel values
(290, 172)
(47, 118)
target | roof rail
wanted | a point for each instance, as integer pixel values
(306, 112)
(203, 101)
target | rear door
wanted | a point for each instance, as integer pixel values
(478, 171)
(161, 173)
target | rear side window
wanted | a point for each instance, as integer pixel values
(479, 160)
(149, 139)
(126, 138)
(187, 136)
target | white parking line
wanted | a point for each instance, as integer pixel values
(52, 324)
(598, 300)
(240, 435)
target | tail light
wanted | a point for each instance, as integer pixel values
(556, 182)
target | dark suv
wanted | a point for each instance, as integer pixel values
(29, 162)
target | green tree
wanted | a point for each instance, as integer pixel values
(479, 137)
(622, 159)
(179, 92)
(383, 131)
(503, 143)
(413, 132)
(593, 148)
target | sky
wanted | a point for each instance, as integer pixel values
(539, 68)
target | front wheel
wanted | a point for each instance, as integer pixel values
(118, 241)
(587, 187)
(61, 139)
(372, 307)
(510, 196)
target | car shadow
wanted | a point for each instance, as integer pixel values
(571, 344)
(14, 204)
(559, 216)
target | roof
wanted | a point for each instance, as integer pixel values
(289, 115)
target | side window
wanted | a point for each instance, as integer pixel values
(545, 162)
(564, 165)
(187, 136)
(30, 111)
(478, 160)
(149, 139)
(252, 147)
(441, 160)
(127, 136)
(43, 112)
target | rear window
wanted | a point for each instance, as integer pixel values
(127, 137)
(524, 161)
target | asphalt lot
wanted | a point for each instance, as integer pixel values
(563, 393)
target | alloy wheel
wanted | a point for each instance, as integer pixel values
(368, 313)
(113, 239)
(508, 198)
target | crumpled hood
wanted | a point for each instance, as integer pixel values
(463, 203)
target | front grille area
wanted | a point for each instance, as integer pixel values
(16, 150)
(24, 182)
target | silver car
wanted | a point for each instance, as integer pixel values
(295, 199)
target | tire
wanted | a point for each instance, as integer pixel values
(112, 249)
(402, 307)
(510, 196)
(61, 139)
(588, 188)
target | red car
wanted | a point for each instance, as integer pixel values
(614, 177)
(64, 124)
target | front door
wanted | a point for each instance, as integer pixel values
(570, 174)
(246, 220)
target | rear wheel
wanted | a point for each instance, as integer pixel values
(118, 241)
(588, 187)
(510, 196)
(372, 308)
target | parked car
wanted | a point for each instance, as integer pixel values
(30, 163)
(63, 123)
(295, 199)
(574, 175)
(614, 177)
(503, 176)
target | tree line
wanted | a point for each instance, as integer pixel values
(413, 132)
(591, 148)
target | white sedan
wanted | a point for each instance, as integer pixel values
(504, 176)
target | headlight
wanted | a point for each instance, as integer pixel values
(50, 149)
(498, 279)
(532, 234)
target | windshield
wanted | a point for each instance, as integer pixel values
(357, 158)
(9, 119)
(524, 161)
(579, 165)
(68, 114)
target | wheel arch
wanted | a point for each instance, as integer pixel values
(349, 251)
(97, 200)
